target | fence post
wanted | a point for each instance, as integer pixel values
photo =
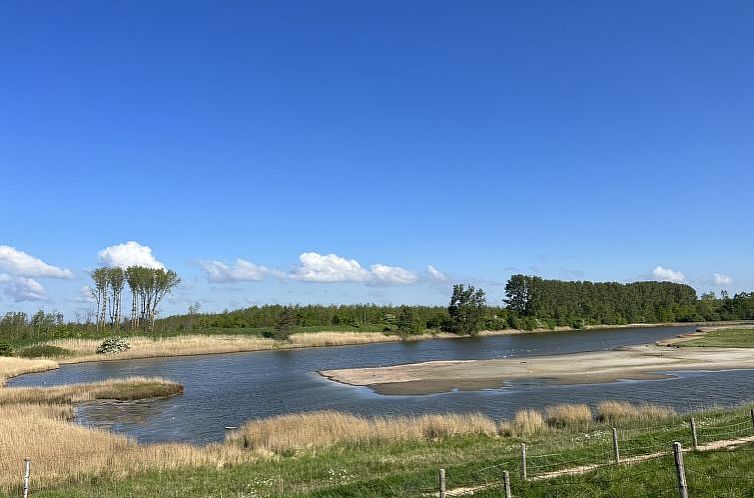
(616, 450)
(523, 461)
(507, 483)
(752, 417)
(693, 433)
(442, 483)
(27, 476)
(683, 490)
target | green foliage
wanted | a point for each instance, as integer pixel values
(408, 323)
(466, 309)
(44, 350)
(113, 345)
(284, 324)
(6, 349)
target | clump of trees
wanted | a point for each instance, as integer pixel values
(148, 287)
(467, 309)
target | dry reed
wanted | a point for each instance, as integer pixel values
(12, 367)
(525, 422)
(127, 389)
(325, 428)
(623, 411)
(568, 414)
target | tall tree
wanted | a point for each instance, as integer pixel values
(116, 278)
(100, 276)
(466, 309)
(163, 283)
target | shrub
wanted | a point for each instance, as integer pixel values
(113, 345)
(6, 349)
(44, 350)
(568, 415)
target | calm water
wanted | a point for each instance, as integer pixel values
(226, 390)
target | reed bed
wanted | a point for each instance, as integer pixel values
(623, 411)
(63, 452)
(568, 415)
(319, 429)
(320, 339)
(12, 367)
(127, 389)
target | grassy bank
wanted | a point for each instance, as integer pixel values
(341, 455)
(723, 338)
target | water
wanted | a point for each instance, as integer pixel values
(226, 390)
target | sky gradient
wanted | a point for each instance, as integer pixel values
(332, 152)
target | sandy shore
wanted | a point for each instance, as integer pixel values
(635, 363)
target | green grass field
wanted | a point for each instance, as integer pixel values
(724, 338)
(409, 469)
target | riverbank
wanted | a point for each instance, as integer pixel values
(84, 350)
(629, 363)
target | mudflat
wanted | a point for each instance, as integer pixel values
(628, 363)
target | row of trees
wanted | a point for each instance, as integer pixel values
(148, 287)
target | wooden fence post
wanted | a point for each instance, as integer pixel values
(442, 483)
(683, 490)
(752, 417)
(507, 484)
(27, 476)
(693, 433)
(616, 450)
(523, 461)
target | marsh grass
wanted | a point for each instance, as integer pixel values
(616, 412)
(286, 433)
(128, 389)
(12, 367)
(569, 415)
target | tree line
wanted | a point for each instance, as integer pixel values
(530, 302)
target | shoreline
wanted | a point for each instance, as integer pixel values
(645, 362)
(227, 344)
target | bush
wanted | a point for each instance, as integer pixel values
(5, 349)
(113, 345)
(44, 350)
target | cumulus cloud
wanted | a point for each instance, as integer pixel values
(668, 275)
(129, 254)
(317, 267)
(242, 271)
(436, 274)
(17, 262)
(22, 288)
(721, 279)
(384, 274)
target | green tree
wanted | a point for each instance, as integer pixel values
(466, 309)
(407, 322)
(284, 323)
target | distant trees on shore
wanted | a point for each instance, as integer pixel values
(148, 287)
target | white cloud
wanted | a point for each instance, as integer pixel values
(329, 268)
(129, 254)
(436, 274)
(22, 288)
(720, 279)
(668, 275)
(18, 262)
(242, 271)
(393, 275)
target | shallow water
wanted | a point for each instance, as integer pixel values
(226, 390)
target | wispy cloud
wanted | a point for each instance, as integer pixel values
(241, 271)
(721, 279)
(435, 274)
(17, 262)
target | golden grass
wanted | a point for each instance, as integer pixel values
(528, 421)
(12, 367)
(568, 415)
(320, 339)
(297, 431)
(623, 411)
(64, 452)
(127, 389)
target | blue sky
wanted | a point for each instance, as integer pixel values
(578, 140)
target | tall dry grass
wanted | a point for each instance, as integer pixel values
(325, 428)
(568, 415)
(623, 411)
(127, 389)
(12, 367)
(320, 339)
(524, 422)
(64, 452)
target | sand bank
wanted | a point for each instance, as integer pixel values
(634, 363)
